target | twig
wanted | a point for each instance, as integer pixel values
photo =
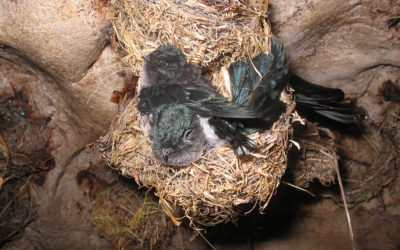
(205, 239)
(254, 66)
(345, 206)
(297, 187)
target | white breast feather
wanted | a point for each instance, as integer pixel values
(213, 140)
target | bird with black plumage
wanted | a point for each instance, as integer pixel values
(184, 116)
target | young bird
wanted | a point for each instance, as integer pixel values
(184, 116)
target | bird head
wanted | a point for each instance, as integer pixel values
(164, 63)
(176, 135)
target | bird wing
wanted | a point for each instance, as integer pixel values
(259, 82)
(244, 78)
(233, 132)
(200, 97)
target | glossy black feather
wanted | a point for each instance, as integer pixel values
(323, 101)
(244, 77)
(234, 133)
(201, 98)
(261, 93)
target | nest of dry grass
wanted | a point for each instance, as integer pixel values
(211, 33)
(130, 220)
(317, 156)
(209, 191)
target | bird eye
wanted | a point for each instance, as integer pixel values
(186, 134)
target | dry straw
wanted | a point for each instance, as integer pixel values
(211, 190)
(210, 33)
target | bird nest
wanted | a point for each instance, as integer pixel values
(210, 190)
(210, 33)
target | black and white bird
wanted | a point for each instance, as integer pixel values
(184, 116)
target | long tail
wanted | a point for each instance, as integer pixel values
(314, 101)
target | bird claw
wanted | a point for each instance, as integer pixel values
(245, 148)
(241, 150)
(251, 144)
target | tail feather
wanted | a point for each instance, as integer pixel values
(327, 102)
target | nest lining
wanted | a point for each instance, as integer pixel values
(210, 35)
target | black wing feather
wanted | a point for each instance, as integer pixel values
(261, 94)
(327, 102)
(201, 98)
